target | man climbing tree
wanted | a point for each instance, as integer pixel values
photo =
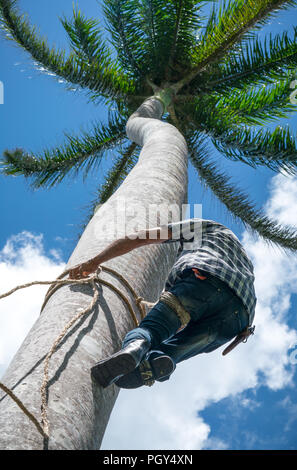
(194, 85)
(209, 295)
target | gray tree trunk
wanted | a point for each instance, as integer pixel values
(78, 409)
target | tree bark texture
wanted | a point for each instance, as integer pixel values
(79, 409)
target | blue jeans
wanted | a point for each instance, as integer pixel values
(217, 315)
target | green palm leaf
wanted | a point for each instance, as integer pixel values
(175, 26)
(77, 153)
(234, 199)
(109, 80)
(154, 37)
(275, 149)
(86, 39)
(250, 105)
(262, 104)
(252, 63)
(230, 23)
(208, 113)
(123, 25)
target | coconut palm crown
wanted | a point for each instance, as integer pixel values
(217, 81)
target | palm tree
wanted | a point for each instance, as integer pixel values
(178, 84)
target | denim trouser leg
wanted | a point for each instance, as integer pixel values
(217, 315)
(159, 324)
(207, 334)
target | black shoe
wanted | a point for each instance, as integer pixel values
(126, 360)
(158, 368)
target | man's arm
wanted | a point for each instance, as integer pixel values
(120, 247)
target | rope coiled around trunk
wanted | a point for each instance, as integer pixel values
(92, 280)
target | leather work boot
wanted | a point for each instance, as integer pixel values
(105, 372)
(150, 369)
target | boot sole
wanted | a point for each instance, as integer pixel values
(161, 366)
(107, 371)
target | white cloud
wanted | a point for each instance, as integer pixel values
(291, 410)
(282, 205)
(166, 416)
(22, 260)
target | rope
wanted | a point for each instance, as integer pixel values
(173, 302)
(23, 408)
(44, 385)
(140, 302)
(93, 280)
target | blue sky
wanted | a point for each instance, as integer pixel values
(257, 413)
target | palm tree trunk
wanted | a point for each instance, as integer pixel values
(78, 409)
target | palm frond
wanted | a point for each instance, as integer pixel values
(275, 149)
(232, 22)
(148, 28)
(262, 104)
(209, 114)
(234, 139)
(109, 81)
(235, 200)
(86, 39)
(51, 167)
(123, 25)
(257, 61)
(177, 23)
(154, 37)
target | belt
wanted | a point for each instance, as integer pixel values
(241, 338)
